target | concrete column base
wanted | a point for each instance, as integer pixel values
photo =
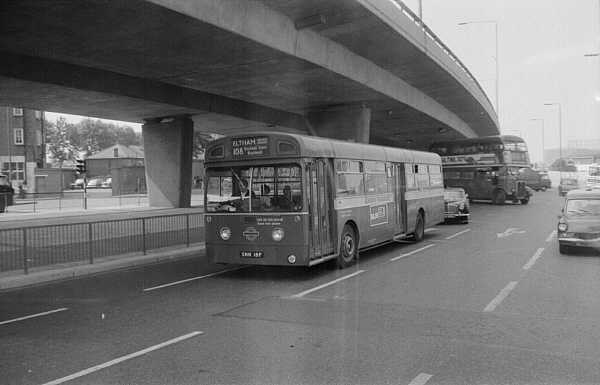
(345, 123)
(168, 159)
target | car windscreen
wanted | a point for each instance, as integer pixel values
(257, 188)
(583, 207)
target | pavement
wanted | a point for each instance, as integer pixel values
(490, 302)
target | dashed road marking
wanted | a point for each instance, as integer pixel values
(501, 296)
(412, 252)
(193, 279)
(457, 234)
(302, 294)
(533, 259)
(421, 379)
(33, 315)
(551, 236)
(96, 368)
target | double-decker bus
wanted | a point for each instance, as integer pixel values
(487, 167)
(285, 199)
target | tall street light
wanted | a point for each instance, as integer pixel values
(559, 133)
(497, 59)
(543, 134)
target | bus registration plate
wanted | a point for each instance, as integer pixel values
(251, 254)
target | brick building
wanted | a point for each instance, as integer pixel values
(21, 145)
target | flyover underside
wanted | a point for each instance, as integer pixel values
(160, 62)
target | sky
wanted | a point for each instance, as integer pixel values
(541, 60)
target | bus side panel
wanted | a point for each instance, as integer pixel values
(353, 209)
(380, 219)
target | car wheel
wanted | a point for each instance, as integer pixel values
(524, 201)
(419, 233)
(348, 248)
(499, 197)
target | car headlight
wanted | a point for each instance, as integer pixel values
(277, 234)
(562, 227)
(225, 233)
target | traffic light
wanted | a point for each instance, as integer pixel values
(80, 166)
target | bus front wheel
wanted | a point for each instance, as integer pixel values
(499, 197)
(349, 248)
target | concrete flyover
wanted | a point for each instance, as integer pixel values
(364, 68)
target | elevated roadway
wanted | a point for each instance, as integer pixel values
(365, 70)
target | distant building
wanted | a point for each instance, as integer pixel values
(117, 156)
(21, 145)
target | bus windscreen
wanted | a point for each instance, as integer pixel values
(257, 188)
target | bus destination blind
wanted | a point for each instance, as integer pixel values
(250, 146)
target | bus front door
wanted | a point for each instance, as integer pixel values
(320, 208)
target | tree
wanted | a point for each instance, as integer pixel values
(58, 141)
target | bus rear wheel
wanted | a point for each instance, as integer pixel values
(524, 201)
(348, 248)
(499, 197)
(419, 233)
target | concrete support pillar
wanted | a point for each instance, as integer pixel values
(168, 159)
(345, 123)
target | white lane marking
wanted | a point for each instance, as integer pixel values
(193, 278)
(501, 296)
(96, 368)
(532, 260)
(510, 231)
(457, 234)
(34, 315)
(412, 252)
(302, 294)
(421, 379)
(551, 236)
(431, 229)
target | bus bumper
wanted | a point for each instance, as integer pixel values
(288, 255)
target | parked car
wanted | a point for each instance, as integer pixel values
(566, 185)
(6, 193)
(78, 184)
(107, 183)
(95, 183)
(456, 205)
(579, 222)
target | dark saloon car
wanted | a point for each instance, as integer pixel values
(566, 185)
(533, 178)
(456, 205)
(579, 222)
(6, 193)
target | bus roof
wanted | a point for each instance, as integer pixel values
(302, 146)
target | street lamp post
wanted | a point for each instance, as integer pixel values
(559, 133)
(543, 134)
(497, 59)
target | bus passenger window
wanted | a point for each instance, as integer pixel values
(410, 176)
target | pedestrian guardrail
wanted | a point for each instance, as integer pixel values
(30, 247)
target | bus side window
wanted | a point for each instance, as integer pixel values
(422, 176)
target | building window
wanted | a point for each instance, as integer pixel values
(15, 170)
(17, 112)
(115, 153)
(19, 136)
(38, 114)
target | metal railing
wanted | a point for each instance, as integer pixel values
(29, 247)
(437, 41)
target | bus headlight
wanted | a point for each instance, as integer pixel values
(225, 233)
(291, 258)
(461, 206)
(562, 227)
(277, 234)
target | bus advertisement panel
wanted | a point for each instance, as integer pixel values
(284, 199)
(488, 168)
